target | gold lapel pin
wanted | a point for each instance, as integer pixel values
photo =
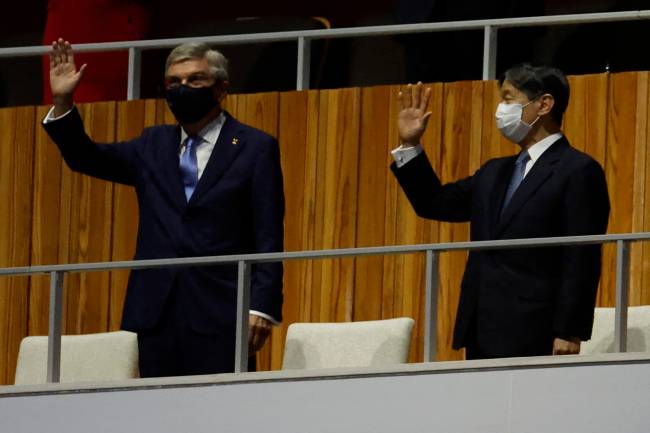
(235, 141)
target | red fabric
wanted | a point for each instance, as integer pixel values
(84, 21)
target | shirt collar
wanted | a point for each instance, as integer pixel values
(536, 150)
(209, 132)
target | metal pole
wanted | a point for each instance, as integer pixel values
(54, 332)
(431, 307)
(622, 292)
(489, 52)
(304, 63)
(133, 85)
(243, 307)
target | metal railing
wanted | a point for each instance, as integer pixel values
(490, 29)
(245, 261)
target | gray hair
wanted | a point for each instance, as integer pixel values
(198, 50)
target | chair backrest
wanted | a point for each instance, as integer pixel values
(84, 358)
(353, 344)
(602, 336)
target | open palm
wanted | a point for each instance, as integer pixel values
(64, 76)
(413, 116)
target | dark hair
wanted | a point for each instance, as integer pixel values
(535, 81)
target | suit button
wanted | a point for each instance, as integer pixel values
(187, 217)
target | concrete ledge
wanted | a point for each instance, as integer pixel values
(428, 368)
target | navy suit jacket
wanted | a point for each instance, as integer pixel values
(518, 300)
(237, 207)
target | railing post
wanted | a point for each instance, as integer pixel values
(431, 307)
(489, 52)
(304, 63)
(54, 331)
(243, 307)
(133, 85)
(622, 295)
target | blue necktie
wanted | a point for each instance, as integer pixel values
(517, 177)
(189, 167)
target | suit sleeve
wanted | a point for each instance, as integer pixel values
(268, 221)
(112, 162)
(586, 211)
(430, 199)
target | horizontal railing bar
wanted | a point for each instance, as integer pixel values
(347, 32)
(326, 254)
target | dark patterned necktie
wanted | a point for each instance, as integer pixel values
(517, 177)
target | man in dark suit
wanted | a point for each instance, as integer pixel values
(521, 302)
(209, 186)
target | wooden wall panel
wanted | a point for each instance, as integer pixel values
(339, 192)
(638, 198)
(16, 168)
(619, 168)
(131, 119)
(89, 235)
(375, 143)
(644, 269)
(45, 222)
(292, 136)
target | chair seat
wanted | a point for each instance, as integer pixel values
(354, 344)
(602, 338)
(84, 358)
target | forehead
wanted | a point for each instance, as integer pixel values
(509, 90)
(188, 67)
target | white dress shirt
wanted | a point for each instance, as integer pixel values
(208, 137)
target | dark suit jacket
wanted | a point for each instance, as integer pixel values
(520, 299)
(237, 207)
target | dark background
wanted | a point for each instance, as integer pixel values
(356, 61)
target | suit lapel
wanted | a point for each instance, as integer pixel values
(540, 173)
(228, 146)
(170, 173)
(503, 175)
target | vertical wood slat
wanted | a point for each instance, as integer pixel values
(619, 169)
(131, 119)
(45, 222)
(374, 147)
(16, 168)
(334, 147)
(338, 153)
(644, 290)
(292, 136)
(89, 239)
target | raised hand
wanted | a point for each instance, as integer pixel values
(64, 76)
(413, 117)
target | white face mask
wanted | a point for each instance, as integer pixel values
(510, 123)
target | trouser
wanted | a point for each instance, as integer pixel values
(173, 348)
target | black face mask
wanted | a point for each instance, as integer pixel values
(191, 104)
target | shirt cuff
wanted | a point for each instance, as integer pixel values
(404, 154)
(265, 316)
(51, 118)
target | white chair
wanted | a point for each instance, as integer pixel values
(84, 358)
(354, 344)
(602, 336)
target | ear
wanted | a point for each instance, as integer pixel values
(546, 103)
(221, 90)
